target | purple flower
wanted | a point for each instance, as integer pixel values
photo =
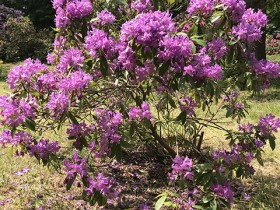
(104, 185)
(57, 104)
(73, 58)
(188, 105)
(246, 128)
(223, 191)
(105, 17)
(22, 171)
(268, 124)
(267, 68)
(259, 143)
(236, 8)
(144, 72)
(143, 113)
(75, 166)
(200, 6)
(61, 18)
(77, 81)
(181, 169)
(217, 48)
(203, 68)
(23, 74)
(144, 206)
(98, 40)
(141, 5)
(78, 8)
(147, 29)
(16, 112)
(175, 48)
(43, 148)
(249, 28)
(80, 130)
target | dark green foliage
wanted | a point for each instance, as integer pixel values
(21, 40)
(40, 12)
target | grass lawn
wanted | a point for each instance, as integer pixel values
(26, 185)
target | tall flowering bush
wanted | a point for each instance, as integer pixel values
(125, 73)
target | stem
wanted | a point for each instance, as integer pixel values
(162, 142)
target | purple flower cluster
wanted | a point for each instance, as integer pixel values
(201, 67)
(181, 169)
(268, 124)
(147, 29)
(249, 28)
(217, 48)
(126, 57)
(229, 160)
(267, 68)
(72, 58)
(140, 113)
(175, 48)
(188, 105)
(76, 166)
(107, 125)
(141, 5)
(77, 81)
(16, 112)
(246, 128)
(101, 183)
(66, 10)
(236, 8)
(223, 191)
(19, 138)
(43, 148)
(78, 8)
(23, 74)
(143, 72)
(105, 17)
(98, 40)
(80, 130)
(58, 103)
(104, 185)
(200, 7)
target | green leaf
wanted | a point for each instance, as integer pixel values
(160, 202)
(182, 117)
(199, 207)
(171, 101)
(198, 41)
(70, 182)
(163, 69)
(207, 198)
(104, 66)
(216, 16)
(72, 118)
(229, 112)
(271, 140)
(213, 205)
(30, 124)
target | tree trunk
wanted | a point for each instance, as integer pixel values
(260, 45)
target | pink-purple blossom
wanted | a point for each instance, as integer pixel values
(182, 168)
(22, 75)
(58, 103)
(268, 124)
(105, 17)
(154, 26)
(43, 148)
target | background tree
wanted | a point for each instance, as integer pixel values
(41, 13)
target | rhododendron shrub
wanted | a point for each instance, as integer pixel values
(128, 74)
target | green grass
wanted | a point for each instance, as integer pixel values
(275, 58)
(40, 185)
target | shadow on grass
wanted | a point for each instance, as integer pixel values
(264, 193)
